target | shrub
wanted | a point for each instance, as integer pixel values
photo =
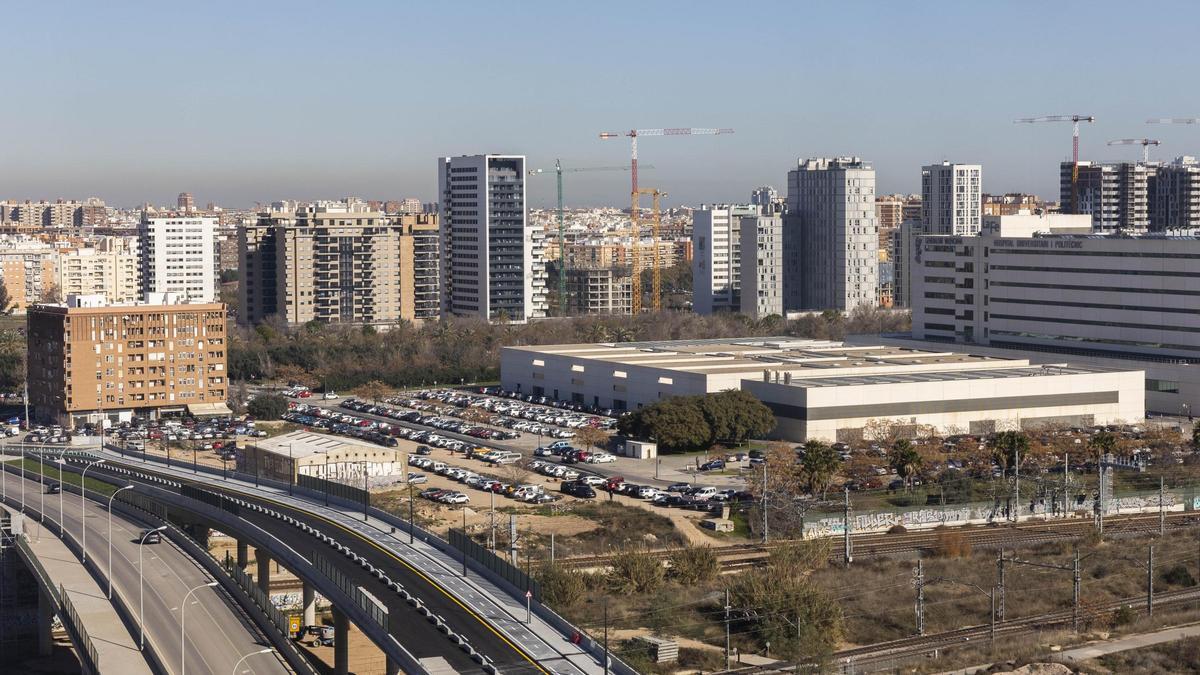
(267, 407)
(694, 564)
(1124, 615)
(636, 571)
(897, 529)
(1178, 575)
(561, 588)
(952, 544)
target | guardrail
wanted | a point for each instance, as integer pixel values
(261, 599)
(86, 650)
(565, 628)
(494, 563)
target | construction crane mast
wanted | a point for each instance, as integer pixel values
(1074, 120)
(562, 257)
(635, 215)
(1144, 142)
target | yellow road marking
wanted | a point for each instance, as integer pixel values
(398, 559)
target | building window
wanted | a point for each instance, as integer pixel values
(1162, 386)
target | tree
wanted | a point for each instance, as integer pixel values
(372, 391)
(735, 415)
(778, 482)
(820, 465)
(1008, 448)
(676, 424)
(905, 459)
(1103, 443)
(267, 407)
(1196, 438)
(592, 437)
(5, 301)
(883, 432)
(51, 293)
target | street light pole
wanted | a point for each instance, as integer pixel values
(82, 504)
(111, 537)
(142, 589)
(110, 501)
(182, 619)
(239, 661)
(62, 512)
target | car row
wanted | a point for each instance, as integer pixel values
(539, 399)
(568, 418)
(433, 421)
(341, 424)
(525, 493)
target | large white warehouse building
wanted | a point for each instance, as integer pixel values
(828, 390)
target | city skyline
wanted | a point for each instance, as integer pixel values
(256, 114)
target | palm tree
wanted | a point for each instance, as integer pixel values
(1008, 446)
(1103, 443)
(905, 460)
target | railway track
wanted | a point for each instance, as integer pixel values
(896, 651)
(979, 537)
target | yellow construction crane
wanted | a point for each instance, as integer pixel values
(635, 212)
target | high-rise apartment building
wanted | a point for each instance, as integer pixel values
(767, 199)
(89, 359)
(716, 256)
(337, 262)
(185, 202)
(599, 290)
(30, 217)
(493, 265)
(830, 235)
(1012, 204)
(1116, 194)
(111, 267)
(1174, 196)
(179, 256)
(951, 198)
(761, 263)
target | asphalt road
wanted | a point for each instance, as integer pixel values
(217, 632)
(492, 622)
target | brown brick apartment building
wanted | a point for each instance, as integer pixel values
(125, 360)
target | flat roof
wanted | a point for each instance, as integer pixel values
(948, 375)
(305, 444)
(751, 356)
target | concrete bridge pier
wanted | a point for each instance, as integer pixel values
(341, 643)
(263, 578)
(309, 603)
(243, 555)
(45, 618)
(392, 668)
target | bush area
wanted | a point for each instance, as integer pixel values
(620, 527)
(688, 423)
(455, 350)
(267, 407)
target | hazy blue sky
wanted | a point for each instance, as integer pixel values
(245, 101)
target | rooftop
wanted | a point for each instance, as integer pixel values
(305, 444)
(751, 356)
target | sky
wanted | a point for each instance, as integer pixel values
(253, 101)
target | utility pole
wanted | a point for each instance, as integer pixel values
(1162, 513)
(847, 553)
(1066, 472)
(766, 531)
(727, 650)
(920, 581)
(992, 636)
(606, 635)
(1075, 601)
(1150, 581)
(1016, 507)
(1000, 583)
(1101, 464)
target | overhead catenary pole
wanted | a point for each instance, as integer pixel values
(1150, 581)
(1000, 584)
(920, 582)
(847, 552)
(727, 650)
(1075, 579)
(1162, 512)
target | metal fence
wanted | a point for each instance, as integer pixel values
(512, 574)
(87, 650)
(257, 595)
(334, 489)
(367, 603)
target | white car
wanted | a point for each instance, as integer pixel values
(456, 498)
(602, 458)
(330, 396)
(415, 478)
